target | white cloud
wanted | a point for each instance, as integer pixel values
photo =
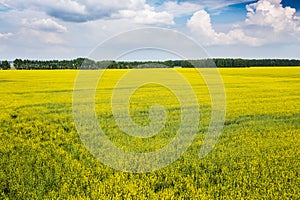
(147, 16)
(180, 9)
(33, 32)
(48, 25)
(115, 4)
(271, 13)
(264, 18)
(5, 35)
(219, 4)
(200, 25)
(91, 10)
(45, 37)
(63, 8)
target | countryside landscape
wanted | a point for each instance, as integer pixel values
(257, 155)
(150, 99)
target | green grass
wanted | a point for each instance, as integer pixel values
(256, 157)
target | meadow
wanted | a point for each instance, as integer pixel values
(256, 157)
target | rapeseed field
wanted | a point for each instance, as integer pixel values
(256, 157)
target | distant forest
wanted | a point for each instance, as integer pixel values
(82, 63)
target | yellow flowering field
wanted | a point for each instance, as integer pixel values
(257, 155)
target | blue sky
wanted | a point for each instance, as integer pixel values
(66, 29)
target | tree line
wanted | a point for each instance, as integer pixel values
(47, 64)
(82, 63)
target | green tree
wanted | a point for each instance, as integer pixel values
(5, 65)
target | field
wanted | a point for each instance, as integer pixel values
(256, 157)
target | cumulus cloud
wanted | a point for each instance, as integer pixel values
(146, 16)
(90, 10)
(271, 13)
(48, 25)
(200, 25)
(266, 17)
(64, 9)
(5, 35)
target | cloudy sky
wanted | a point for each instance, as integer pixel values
(66, 29)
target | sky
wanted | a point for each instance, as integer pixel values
(67, 29)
